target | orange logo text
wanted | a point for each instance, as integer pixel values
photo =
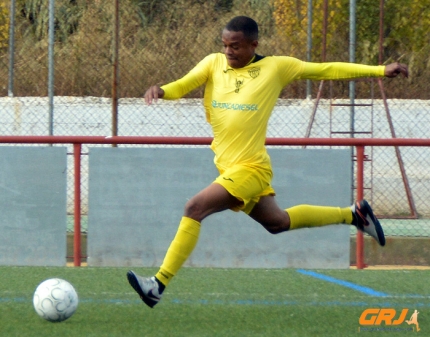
(373, 316)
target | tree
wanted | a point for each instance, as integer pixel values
(4, 25)
(36, 12)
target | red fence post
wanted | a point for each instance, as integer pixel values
(360, 189)
(77, 149)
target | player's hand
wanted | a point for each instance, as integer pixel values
(153, 94)
(394, 69)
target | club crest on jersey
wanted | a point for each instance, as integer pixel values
(254, 72)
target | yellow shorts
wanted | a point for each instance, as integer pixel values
(247, 184)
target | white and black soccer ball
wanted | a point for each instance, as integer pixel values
(55, 300)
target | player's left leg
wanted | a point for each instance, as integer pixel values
(277, 220)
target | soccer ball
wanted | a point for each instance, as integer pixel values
(55, 300)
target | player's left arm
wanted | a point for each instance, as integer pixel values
(394, 69)
(344, 70)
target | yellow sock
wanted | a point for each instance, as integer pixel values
(180, 249)
(314, 216)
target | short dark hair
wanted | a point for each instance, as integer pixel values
(244, 24)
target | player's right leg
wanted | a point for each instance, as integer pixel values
(147, 287)
(214, 198)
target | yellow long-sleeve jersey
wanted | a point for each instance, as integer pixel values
(239, 102)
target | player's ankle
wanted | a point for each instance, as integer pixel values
(161, 286)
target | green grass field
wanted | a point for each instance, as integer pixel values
(219, 302)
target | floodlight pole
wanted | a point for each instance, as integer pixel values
(115, 70)
(11, 48)
(309, 48)
(51, 37)
(352, 44)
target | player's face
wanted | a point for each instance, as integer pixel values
(237, 49)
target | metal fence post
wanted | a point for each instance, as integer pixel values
(77, 149)
(115, 74)
(360, 190)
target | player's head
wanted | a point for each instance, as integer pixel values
(240, 38)
(244, 24)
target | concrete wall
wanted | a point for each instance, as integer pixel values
(136, 199)
(33, 206)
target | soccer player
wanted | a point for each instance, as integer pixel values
(241, 89)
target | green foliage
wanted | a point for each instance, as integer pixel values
(4, 25)
(408, 33)
(403, 32)
(36, 13)
(367, 34)
(160, 40)
(291, 17)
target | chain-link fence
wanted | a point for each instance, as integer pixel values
(159, 41)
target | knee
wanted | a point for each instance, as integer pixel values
(193, 210)
(274, 229)
(276, 225)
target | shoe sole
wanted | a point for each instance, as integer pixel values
(132, 279)
(378, 228)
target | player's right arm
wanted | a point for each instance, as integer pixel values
(153, 94)
(174, 90)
